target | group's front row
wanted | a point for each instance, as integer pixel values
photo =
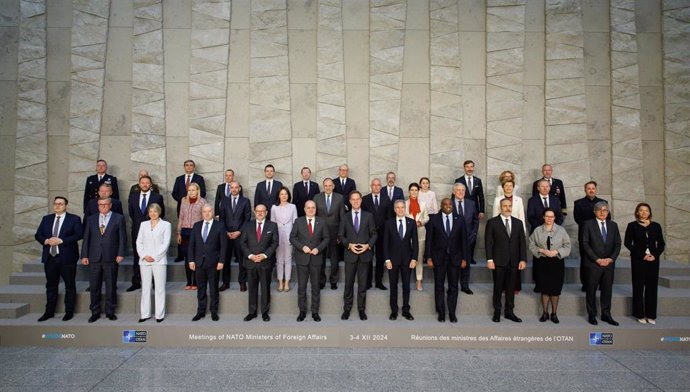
(447, 251)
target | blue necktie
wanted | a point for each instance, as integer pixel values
(448, 225)
(400, 229)
(143, 205)
(357, 222)
(204, 235)
(328, 203)
(227, 190)
(603, 231)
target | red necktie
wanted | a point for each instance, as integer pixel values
(186, 183)
(311, 228)
(258, 232)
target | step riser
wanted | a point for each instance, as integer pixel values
(13, 311)
(672, 283)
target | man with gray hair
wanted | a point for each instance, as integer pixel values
(466, 209)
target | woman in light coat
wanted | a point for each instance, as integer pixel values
(418, 210)
(152, 243)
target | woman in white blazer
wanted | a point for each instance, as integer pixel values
(518, 206)
(152, 244)
(417, 209)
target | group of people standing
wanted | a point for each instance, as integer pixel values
(373, 233)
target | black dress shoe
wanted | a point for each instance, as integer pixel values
(265, 316)
(544, 317)
(610, 320)
(334, 286)
(592, 320)
(554, 318)
(316, 317)
(250, 317)
(111, 317)
(45, 317)
(514, 318)
(94, 317)
(537, 289)
(141, 320)
(160, 320)
(345, 315)
(380, 286)
(243, 287)
(223, 287)
(301, 316)
(452, 318)
(473, 262)
(133, 287)
(393, 316)
(583, 289)
(496, 318)
(322, 285)
(178, 259)
(407, 315)
(214, 316)
(198, 316)
(88, 289)
(441, 318)
(362, 315)
(467, 291)
(68, 316)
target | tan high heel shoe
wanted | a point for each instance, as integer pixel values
(280, 285)
(419, 285)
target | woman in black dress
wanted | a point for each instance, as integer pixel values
(645, 241)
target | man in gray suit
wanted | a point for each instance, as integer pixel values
(309, 237)
(258, 244)
(357, 233)
(331, 207)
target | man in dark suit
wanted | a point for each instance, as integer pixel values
(506, 252)
(259, 241)
(207, 244)
(475, 190)
(535, 216)
(392, 192)
(309, 237)
(602, 244)
(343, 185)
(105, 191)
(266, 191)
(94, 181)
(135, 187)
(557, 189)
(377, 204)
(223, 190)
(331, 207)
(583, 210)
(138, 212)
(59, 234)
(400, 249)
(466, 209)
(304, 190)
(105, 240)
(180, 190)
(235, 212)
(357, 233)
(447, 252)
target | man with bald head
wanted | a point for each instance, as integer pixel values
(381, 207)
(331, 207)
(343, 185)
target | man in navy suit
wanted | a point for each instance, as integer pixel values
(602, 244)
(96, 180)
(235, 212)
(304, 190)
(447, 252)
(506, 252)
(400, 249)
(138, 212)
(466, 209)
(266, 191)
(105, 240)
(180, 190)
(557, 189)
(259, 241)
(377, 204)
(59, 234)
(535, 216)
(207, 244)
(343, 185)
(475, 190)
(391, 191)
(223, 190)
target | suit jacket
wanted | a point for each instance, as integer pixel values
(92, 208)
(220, 195)
(262, 197)
(400, 251)
(207, 254)
(381, 214)
(471, 217)
(583, 210)
(153, 243)
(476, 194)
(135, 210)
(350, 186)
(70, 233)
(180, 190)
(267, 245)
(557, 190)
(366, 235)
(397, 194)
(535, 211)
(505, 250)
(235, 219)
(299, 238)
(107, 246)
(332, 217)
(595, 247)
(92, 184)
(299, 197)
(439, 244)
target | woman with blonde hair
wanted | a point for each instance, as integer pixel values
(153, 241)
(190, 213)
